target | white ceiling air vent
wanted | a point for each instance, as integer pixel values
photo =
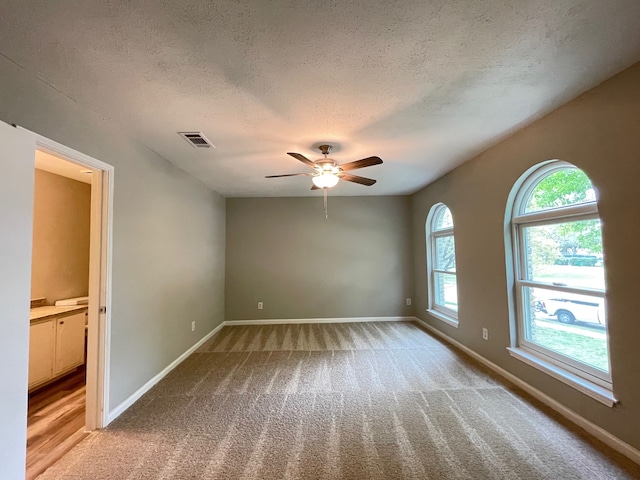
(196, 139)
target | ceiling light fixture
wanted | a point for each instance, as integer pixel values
(325, 179)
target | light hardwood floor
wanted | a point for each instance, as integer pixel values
(55, 422)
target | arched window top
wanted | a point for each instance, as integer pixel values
(557, 185)
(442, 219)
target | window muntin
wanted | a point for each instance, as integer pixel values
(560, 272)
(441, 263)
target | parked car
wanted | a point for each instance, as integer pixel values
(573, 309)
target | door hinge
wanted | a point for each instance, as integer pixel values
(103, 310)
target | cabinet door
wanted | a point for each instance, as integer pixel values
(69, 342)
(41, 343)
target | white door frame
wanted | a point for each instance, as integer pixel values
(100, 255)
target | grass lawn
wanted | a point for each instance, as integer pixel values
(592, 351)
(590, 277)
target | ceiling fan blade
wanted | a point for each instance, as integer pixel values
(313, 187)
(303, 159)
(288, 175)
(356, 179)
(365, 162)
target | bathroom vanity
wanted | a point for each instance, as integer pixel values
(56, 342)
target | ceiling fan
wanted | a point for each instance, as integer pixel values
(327, 172)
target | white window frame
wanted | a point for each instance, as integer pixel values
(589, 380)
(441, 312)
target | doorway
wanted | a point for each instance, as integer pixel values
(74, 399)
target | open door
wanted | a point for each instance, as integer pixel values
(99, 278)
(16, 221)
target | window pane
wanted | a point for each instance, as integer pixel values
(569, 186)
(571, 325)
(565, 254)
(443, 219)
(446, 291)
(445, 254)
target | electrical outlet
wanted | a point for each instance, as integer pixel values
(260, 305)
(485, 334)
(408, 301)
(193, 326)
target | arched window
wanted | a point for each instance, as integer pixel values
(559, 277)
(441, 265)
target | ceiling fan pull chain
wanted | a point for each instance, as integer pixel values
(326, 212)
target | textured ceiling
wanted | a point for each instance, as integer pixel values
(423, 84)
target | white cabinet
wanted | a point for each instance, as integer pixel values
(41, 351)
(69, 343)
(56, 346)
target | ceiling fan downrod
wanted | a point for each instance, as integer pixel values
(326, 203)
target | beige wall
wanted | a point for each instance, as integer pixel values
(60, 260)
(600, 133)
(283, 252)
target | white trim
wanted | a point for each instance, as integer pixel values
(598, 432)
(133, 398)
(585, 211)
(59, 150)
(99, 338)
(588, 388)
(279, 321)
(590, 292)
(443, 318)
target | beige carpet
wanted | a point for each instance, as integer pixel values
(353, 401)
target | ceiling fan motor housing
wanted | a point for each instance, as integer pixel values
(325, 149)
(327, 165)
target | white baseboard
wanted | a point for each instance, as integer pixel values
(598, 432)
(116, 412)
(278, 321)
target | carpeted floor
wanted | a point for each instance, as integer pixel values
(336, 401)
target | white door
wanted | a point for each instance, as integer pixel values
(16, 219)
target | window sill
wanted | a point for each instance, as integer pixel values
(443, 318)
(594, 391)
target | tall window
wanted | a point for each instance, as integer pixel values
(559, 274)
(441, 265)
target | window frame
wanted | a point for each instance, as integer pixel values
(582, 376)
(437, 310)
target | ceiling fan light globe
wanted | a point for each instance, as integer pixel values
(325, 180)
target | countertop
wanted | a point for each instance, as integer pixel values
(39, 313)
